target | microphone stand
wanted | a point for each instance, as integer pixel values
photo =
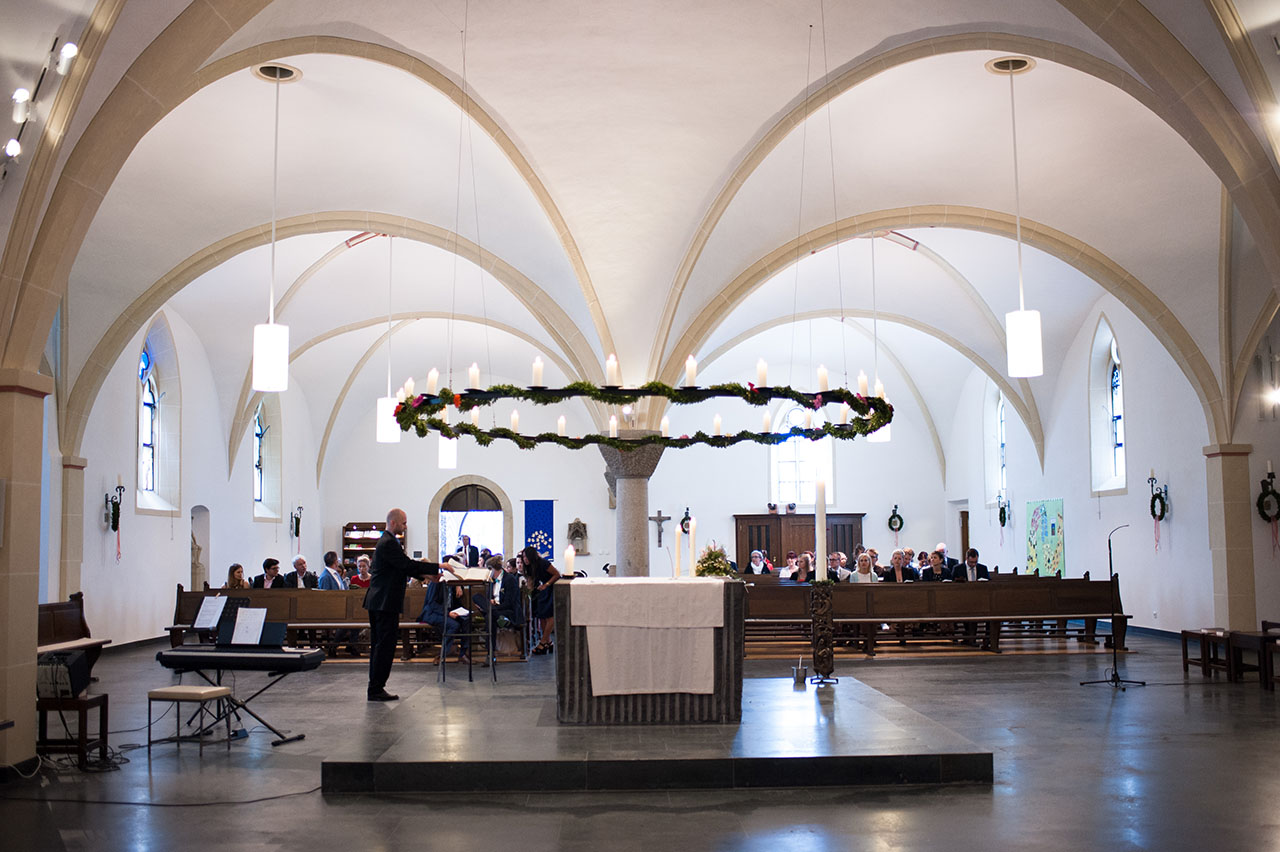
(1115, 680)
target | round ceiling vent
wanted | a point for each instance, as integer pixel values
(276, 72)
(1011, 65)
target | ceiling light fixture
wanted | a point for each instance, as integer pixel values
(12, 149)
(21, 105)
(1022, 327)
(66, 55)
(271, 340)
(388, 430)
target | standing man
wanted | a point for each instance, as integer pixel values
(392, 569)
(470, 553)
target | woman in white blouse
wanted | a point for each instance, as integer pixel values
(863, 574)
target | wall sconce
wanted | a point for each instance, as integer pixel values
(295, 523)
(111, 510)
(1159, 498)
(66, 55)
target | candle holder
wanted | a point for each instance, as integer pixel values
(1159, 499)
(295, 523)
(823, 633)
(111, 511)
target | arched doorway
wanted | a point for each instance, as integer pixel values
(472, 505)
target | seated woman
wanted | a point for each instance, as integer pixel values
(785, 571)
(899, 570)
(804, 569)
(235, 577)
(758, 564)
(436, 612)
(863, 573)
(542, 575)
(362, 577)
(937, 572)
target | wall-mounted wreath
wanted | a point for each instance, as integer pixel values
(1269, 504)
(1159, 505)
(895, 520)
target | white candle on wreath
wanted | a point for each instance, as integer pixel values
(537, 371)
(768, 422)
(808, 420)
(475, 417)
(560, 426)
(717, 426)
(666, 427)
(844, 414)
(690, 371)
(879, 388)
(433, 380)
(762, 374)
(862, 383)
(611, 370)
(408, 387)
(613, 426)
(515, 420)
(823, 379)
(473, 375)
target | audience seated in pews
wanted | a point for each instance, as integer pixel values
(361, 579)
(834, 569)
(235, 577)
(270, 577)
(864, 573)
(804, 569)
(937, 571)
(971, 569)
(299, 577)
(900, 569)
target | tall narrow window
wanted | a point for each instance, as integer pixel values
(148, 424)
(1000, 436)
(1106, 412)
(796, 463)
(259, 432)
(1117, 414)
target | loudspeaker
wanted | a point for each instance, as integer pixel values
(61, 674)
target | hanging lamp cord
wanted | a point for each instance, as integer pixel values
(275, 192)
(1017, 187)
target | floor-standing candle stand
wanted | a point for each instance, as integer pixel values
(824, 638)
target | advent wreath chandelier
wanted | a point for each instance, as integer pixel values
(428, 412)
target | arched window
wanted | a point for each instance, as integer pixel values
(148, 424)
(259, 433)
(1001, 437)
(796, 463)
(1106, 412)
(265, 458)
(995, 445)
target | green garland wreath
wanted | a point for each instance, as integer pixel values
(1004, 514)
(1159, 506)
(1269, 494)
(418, 414)
(895, 521)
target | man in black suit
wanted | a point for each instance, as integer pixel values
(270, 577)
(469, 552)
(971, 569)
(384, 600)
(298, 578)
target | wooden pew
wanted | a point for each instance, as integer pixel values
(61, 627)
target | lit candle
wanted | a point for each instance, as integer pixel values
(569, 554)
(679, 550)
(400, 394)
(768, 422)
(879, 388)
(690, 371)
(515, 420)
(844, 414)
(820, 527)
(475, 417)
(560, 426)
(613, 426)
(716, 425)
(119, 481)
(808, 420)
(762, 374)
(862, 383)
(408, 387)
(1153, 473)
(433, 379)
(537, 371)
(666, 427)
(822, 378)
(611, 371)
(1269, 468)
(693, 547)
(473, 376)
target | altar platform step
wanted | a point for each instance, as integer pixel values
(478, 737)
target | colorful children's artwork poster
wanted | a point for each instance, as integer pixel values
(1044, 538)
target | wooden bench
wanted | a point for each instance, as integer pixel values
(1002, 608)
(61, 627)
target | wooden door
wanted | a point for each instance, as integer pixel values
(756, 532)
(843, 532)
(964, 535)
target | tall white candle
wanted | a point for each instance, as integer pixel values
(473, 376)
(119, 481)
(820, 527)
(808, 420)
(693, 547)
(569, 554)
(762, 374)
(844, 414)
(537, 371)
(879, 388)
(1269, 468)
(613, 426)
(768, 422)
(408, 387)
(1153, 473)
(433, 380)
(862, 383)
(515, 420)
(560, 426)
(823, 379)
(679, 549)
(475, 417)
(611, 370)
(666, 426)
(690, 371)
(717, 426)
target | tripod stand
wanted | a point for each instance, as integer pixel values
(1115, 680)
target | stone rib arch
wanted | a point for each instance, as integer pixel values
(557, 324)
(1108, 274)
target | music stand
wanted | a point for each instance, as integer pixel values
(1115, 680)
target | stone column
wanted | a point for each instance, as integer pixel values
(21, 433)
(1231, 535)
(72, 550)
(631, 469)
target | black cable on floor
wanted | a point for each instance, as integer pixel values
(315, 789)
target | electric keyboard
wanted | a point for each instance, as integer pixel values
(240, 658)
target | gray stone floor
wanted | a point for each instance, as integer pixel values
(1183, 763)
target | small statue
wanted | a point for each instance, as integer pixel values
(578, 536)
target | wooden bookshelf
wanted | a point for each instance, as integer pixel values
(362, 537)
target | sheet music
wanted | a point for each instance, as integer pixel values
(248, 630)
(460, 612)
(210, 611)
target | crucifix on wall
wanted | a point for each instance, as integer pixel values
(659, 519)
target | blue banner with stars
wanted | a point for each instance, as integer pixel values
(539, 522)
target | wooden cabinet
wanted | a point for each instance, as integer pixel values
(362, 537)
(774, 535)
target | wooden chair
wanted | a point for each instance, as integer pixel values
(188, 694)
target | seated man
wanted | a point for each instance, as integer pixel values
(332, 578)
(298, 578)
(437, 612)
(270, 577)
(970, 569)
(501, 605)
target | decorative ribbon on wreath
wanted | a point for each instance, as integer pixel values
(895, 524)
(1159, 508)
